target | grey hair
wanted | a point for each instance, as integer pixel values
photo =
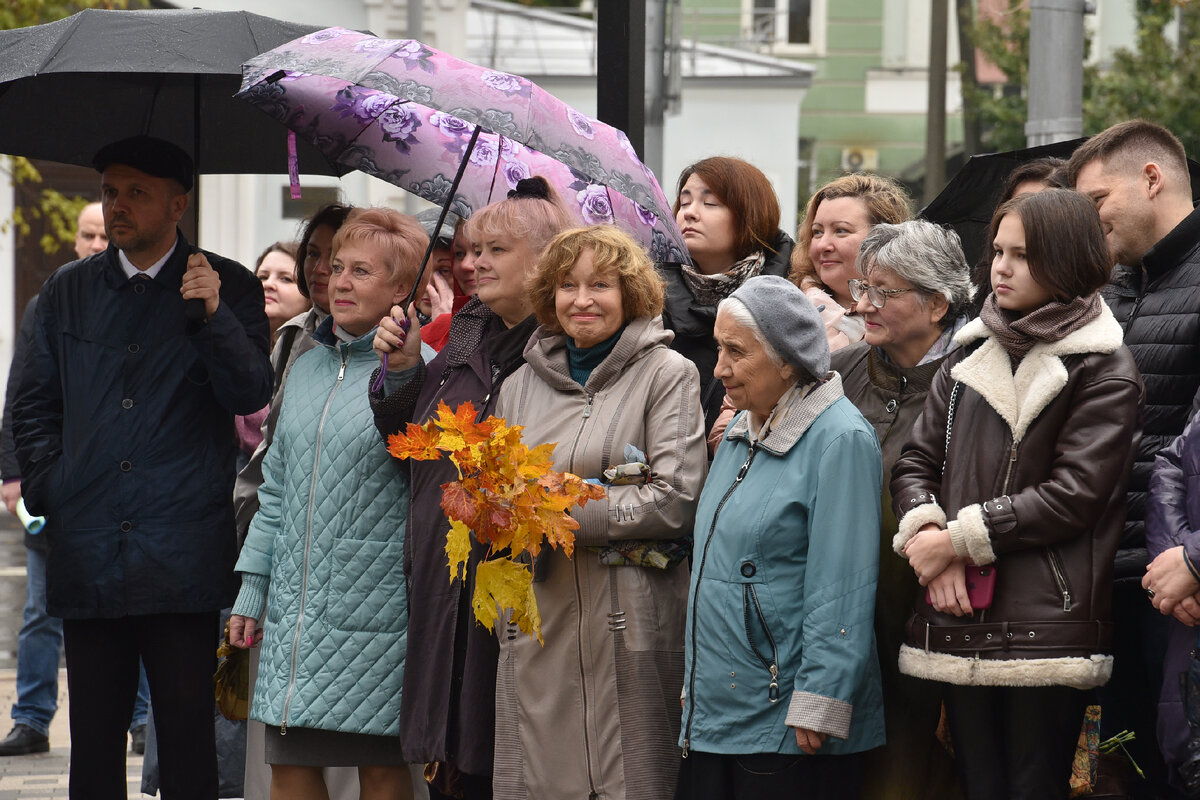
(736, 309)
(928, 256)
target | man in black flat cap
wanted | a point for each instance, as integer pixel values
(124, 425)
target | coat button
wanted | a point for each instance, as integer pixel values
(133, 348)
(891, 406)
(748, 569)
(126, 526)
(139, 288)
(126, 466)
(127, 404)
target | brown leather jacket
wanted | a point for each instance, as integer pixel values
(1034, 483)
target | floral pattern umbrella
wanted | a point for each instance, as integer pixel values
(404, 112)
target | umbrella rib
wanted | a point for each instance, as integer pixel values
(62, 40)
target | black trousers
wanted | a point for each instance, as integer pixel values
(713, 776)
(1014, 743)
(179, 651)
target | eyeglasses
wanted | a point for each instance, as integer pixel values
(876, 295)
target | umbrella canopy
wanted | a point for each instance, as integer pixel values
(970, 198)
(69, 87)
(404, 112)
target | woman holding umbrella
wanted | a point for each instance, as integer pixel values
(1015, 474)
(448, 715)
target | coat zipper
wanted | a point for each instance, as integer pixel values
(1060, 576)
(750, 596)
(696, 599)
(1012, 460)
(587, 747)
(312, 491)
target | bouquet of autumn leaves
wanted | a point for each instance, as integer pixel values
(507, 497)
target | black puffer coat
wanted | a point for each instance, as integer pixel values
(1159, 309)
(693, 323)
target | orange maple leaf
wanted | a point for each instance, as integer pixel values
(418, 442)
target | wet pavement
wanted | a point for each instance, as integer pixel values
(43, 775)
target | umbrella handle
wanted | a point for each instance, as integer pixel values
(462, 167)
(377, 384)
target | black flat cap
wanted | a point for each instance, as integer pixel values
(152, 156)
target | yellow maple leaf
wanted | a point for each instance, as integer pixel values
(458, 549)
(505, 584)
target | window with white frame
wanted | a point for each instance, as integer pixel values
(785, 26)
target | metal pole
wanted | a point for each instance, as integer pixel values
(935, 115)
(656, 81)
(1055, 71)
(621, 76)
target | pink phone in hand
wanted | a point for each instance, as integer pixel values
(981, 587)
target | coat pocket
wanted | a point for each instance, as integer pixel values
(366, 587)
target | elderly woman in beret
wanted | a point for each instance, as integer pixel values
(781, 678)
(595, 711)
(914, 297)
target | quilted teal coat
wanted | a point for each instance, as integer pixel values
(329, 533)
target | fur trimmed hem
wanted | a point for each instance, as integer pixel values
(1077, 673)
(969, 535)
(915, 519)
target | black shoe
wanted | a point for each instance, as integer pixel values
(137, 738)
(22, 740)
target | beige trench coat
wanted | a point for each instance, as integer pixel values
(596, 711)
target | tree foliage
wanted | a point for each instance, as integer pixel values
(1158, 81)
(1004, 41)
(1155, 81)
(507, 497)
(31, 202)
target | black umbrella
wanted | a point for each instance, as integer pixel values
(71, 86)
(970, 198)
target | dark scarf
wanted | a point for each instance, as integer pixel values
(581, 361)
(1017, 334)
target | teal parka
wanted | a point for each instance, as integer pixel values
(330, 534)
(781, 606)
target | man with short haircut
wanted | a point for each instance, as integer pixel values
(124, 431)
(1136, 173)
(39, 643)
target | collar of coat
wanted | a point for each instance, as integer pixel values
(546, 354)
(1020, 396)
(799, 416)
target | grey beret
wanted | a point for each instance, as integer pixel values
(428, 219)
(151, 155)
(788, 320)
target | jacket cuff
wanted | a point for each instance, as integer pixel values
(593, 523)
(916, 518)
(252, 598)
(969, 535)
(819, 713)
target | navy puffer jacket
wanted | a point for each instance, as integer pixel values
(124, 430)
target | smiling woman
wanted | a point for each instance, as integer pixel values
(838, 218)
(600, 375)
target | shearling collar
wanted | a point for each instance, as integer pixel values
(1020, 396)
(799, 417)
